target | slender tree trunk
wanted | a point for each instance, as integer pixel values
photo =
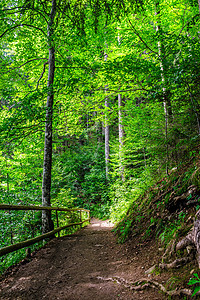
(107, 139)
(46, 184)
(121, 130)
(121, 136)
(107, 130)
(166, 100)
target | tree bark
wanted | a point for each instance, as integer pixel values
(107, 129)
(121, 137)
(47, 164)
(107, 138)
(166, 100)
(121, 130)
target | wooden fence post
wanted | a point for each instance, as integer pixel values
(57, 222)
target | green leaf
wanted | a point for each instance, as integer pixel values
(193, 281)
(196, 290)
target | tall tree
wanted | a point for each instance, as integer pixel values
(107, 127)
(47, 165)
(166, 99)
(121, 129)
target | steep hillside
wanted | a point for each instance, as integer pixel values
(167, 212)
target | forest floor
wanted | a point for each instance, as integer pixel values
(87, 265)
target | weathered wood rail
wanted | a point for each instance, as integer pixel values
(20, 245)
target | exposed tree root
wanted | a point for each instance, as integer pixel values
(177, 263)
(169, 250)
(147, 283)
(192, 238)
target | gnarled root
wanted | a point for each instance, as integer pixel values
(147, 283)
(192, 238)
(169, 250)
(177, 263)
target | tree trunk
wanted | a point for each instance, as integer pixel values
(107, 129)
(121, 136)
(121, 130)
(166, 100)
(107, 138)
(46, 184)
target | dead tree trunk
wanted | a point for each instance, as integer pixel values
(46, 184)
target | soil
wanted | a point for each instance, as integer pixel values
(81, 266)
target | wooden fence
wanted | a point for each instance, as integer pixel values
(20, 245)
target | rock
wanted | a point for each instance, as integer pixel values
(150, 270)
(161, 249)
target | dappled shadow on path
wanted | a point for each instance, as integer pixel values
(77, 267)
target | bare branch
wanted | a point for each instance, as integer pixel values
(85, 68)
(23, 9)
(141, 39)
(43, 71)
(21, 25)
(17, 7)
(29, 61)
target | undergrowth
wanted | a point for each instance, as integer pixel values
(165, 210)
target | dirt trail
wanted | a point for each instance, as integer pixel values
(75, 267)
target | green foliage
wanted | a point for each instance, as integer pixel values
(170, 230)
(194, 281)
(124, 230)
(80, 172)
(16, 257)
(154, 142)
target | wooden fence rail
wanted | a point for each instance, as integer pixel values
(34, 207)
(20, 245)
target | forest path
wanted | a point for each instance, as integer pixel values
(75, 268)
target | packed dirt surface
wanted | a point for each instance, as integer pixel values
(83, 266)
